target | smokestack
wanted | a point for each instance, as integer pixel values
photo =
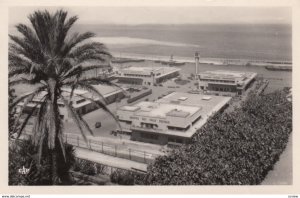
(197, 63)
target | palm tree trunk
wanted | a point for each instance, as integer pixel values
(54, 168)
(54, 134)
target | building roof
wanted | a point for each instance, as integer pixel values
(198, 100)
(161, 110)
(149, 70)
(182, 105)
(226, 74)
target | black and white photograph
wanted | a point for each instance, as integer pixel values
(149, 96)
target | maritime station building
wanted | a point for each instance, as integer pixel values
(226, 82)
(174, 118)
(79, 100)
(146, 75)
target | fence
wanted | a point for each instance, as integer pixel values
(111, 149)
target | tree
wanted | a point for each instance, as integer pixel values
(49, 58)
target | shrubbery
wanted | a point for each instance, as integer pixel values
(88, 167)
(122, 177)
(24, 153)
(236, 148)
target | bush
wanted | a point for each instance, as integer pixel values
(237, 148)
(122, 177)
(24, 153)
(88, 167)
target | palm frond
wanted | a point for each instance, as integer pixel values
(89, 48)
(99, 80)
(41, 22)
(74, 71)
(74, 40)
(99, 105)
(91, 89)
(29, 35)
(26, 49)
(17, 119)
(102, 57)
(20, 98)
(20, 81)
(24, 123)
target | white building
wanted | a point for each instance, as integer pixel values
(146, 75)
(81, 105)
(173, 118)
(225, 82)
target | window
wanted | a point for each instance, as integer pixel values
(80, 101)
(125, 121)
(148, 125)
(174, 139)
(149, 136)
(178, 128)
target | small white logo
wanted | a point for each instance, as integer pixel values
(23, 170)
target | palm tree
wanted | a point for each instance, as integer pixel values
(46, 56)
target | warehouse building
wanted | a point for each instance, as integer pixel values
(174, 118)
(79, 100)
(146, 75)
(226, 82)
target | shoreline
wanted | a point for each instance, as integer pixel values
(203, 60)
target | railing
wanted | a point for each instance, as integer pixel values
(111, 149)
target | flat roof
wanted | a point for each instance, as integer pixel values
(106, 90)
(199, 100)
(205, 105)
(149, 70)
(161, 110)
(226, 74)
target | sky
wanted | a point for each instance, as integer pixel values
(165, 15)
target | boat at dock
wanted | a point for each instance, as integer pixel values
(171, 62)
(279, 68)
(127, 60)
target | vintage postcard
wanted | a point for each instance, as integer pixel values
(144, 95)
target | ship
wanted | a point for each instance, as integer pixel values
(279, 68)
(171, 62)
(127, 60)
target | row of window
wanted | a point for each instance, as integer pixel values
(148, 125)
(149, 136)
(224, 89)
(213, 80)
(126, 121)
(178, 128)
(138, 75)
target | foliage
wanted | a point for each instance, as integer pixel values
(122, 177)
(236, 148)
(49, 58)
(88, 167)
(12, 112)
(22, 153)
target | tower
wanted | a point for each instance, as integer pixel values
(197, 63)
